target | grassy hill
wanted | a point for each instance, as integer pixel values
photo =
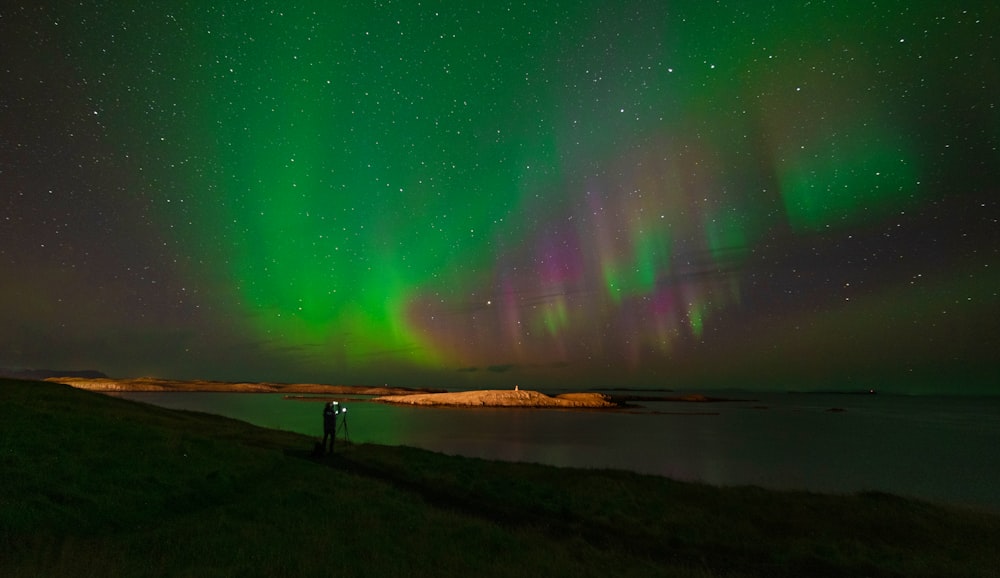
(99, 486)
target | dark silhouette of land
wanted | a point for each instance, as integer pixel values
(122, 488)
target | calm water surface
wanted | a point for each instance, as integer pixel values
(944, 449)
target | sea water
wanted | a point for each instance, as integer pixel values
(939, 448)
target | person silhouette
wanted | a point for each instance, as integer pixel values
(329, 425)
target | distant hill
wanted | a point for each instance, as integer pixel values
(40, 374)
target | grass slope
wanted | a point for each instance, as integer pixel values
(99, 486)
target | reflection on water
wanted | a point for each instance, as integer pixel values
(937, 448)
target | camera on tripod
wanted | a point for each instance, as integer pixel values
(334, 421)
(343, 424)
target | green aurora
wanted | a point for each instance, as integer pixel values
(645, 193)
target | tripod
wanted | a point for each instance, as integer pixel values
(343, 426)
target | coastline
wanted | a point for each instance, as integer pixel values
(384, 394)
(150, 384)
(213, 495)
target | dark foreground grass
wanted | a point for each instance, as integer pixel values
(99, 486)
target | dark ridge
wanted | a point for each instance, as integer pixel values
(40, 374)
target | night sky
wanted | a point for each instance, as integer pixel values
(672, 194)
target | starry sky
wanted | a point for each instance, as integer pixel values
(653, 194)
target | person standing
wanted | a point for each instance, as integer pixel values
(329, 425)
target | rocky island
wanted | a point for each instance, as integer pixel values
(503, 398)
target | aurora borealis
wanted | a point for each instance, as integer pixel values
(650, 194)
